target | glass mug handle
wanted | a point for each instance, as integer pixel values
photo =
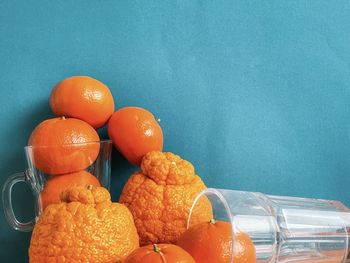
(7, 201)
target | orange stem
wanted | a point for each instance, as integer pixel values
(156, 248)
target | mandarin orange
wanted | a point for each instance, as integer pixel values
(159, 253)
(56, 184)
(211, 241)
(135, 132)
(84, 98)
(61, 145)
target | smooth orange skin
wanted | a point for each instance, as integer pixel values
(85, 227)
(135, 132)
(208, 242)
(56, 184)
(168, 253)
(61, 145)
(160, 197)
(84, 98)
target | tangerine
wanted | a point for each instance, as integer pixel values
(135, 132)
(159, 254)
(56, 184)
(63, 145)
(212, 242)
(84, 98)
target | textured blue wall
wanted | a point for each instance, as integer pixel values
(255, 94)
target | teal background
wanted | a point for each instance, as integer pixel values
(255, 93)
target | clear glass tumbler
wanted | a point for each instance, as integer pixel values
(284, 229)
(93, 157)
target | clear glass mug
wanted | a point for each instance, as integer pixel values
(94, 157)
(284, 229)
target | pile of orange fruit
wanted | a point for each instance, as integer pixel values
(79, 223)
(63, 147)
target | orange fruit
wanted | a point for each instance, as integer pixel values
(212, 241)
(56, 184)
(85, 227)
(159, 254)
(84, 98)
(135, 132)
(61, 145)
(160, 197)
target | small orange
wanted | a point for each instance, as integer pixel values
(84, 98)
(135, 132)
(61, 145)
(212, 241)
(159, 254)
(56, 184)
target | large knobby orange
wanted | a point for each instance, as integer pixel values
(135, 132)
(212, 242)
(161, 253)
(84, 98)
(160, 197)
(58, 183)
(63, 145)
(85, 227)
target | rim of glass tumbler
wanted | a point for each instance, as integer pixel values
(105, 141)
(222, 199)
